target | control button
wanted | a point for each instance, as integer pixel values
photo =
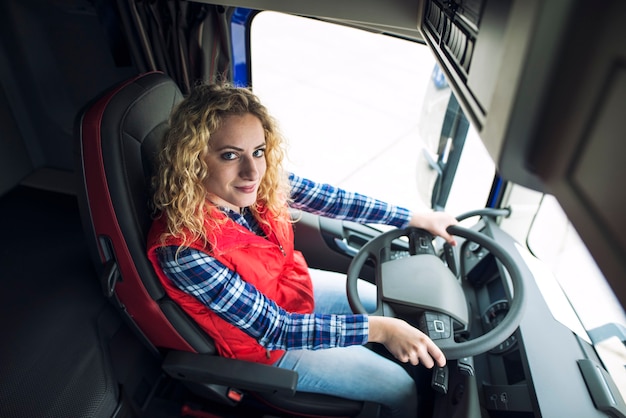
(436, 325)
(439, 325)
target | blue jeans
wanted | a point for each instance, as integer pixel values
(353, 372)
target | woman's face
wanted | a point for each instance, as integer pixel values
(236, 161)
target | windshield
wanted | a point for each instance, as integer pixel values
(367, 105)
(380, 115)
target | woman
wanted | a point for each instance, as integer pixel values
(222, 244)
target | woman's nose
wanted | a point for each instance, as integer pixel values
(249, 169)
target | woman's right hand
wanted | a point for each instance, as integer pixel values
(404, 342)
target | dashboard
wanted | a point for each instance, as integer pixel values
(536, 371)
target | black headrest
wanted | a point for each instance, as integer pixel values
(137, 116)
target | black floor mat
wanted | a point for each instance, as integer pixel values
(52, 357)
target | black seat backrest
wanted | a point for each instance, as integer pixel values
(119, 135)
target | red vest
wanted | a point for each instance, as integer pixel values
(270, 264)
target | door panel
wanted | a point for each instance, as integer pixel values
(330, 244)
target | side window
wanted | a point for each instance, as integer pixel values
(553, 239)
(369, 113)
(539, 221)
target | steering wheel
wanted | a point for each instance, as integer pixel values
(423, 282)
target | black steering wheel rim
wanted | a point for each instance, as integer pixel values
(451, 349)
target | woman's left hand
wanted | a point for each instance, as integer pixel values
(435, 223)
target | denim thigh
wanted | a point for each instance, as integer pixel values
(353, 372)
(330, 295)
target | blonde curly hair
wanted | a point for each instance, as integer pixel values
(178, 191)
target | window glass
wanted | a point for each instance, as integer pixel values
(362, 111)
(553, 239)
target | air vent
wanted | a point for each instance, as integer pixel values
(456, 41)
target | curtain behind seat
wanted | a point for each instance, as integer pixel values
(185, 40)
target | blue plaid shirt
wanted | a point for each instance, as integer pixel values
(240, 304)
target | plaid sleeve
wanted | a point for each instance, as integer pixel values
(326, 200)
(242, 305)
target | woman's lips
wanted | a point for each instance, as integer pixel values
(246, 189)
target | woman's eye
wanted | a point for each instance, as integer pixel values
(229, 156)
(259, 152)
